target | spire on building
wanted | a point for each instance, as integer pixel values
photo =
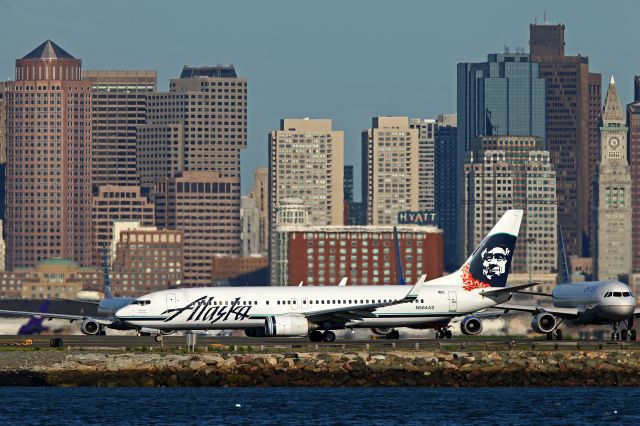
(48, 50)
(612, 110)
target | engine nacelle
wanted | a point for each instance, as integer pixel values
(471, 326)
(543, 323)
(382, 331)
(286, 325)
(167, 332)
(90, 327)
(255, 332)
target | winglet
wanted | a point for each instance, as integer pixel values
(301, 284)
(415, 290)
(343, 282)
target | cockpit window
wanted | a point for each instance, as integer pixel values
(626, 294)
(617, 294)
(141, 302)
(607, 294)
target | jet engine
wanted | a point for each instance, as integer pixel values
(286, 325)
(471, 326)
(544, 323)
(90, 327)
(255, 332)
(388, 332)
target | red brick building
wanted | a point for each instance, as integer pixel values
(225, 267)
(147, 261)
(364, 254)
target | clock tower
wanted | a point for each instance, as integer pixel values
(612, 256)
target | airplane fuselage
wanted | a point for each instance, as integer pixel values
(600, 302)
(248, 307)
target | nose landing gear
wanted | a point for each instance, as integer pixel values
(627, 332)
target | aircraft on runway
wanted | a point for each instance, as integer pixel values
(315, 311)
(584, 303)
(89, 325)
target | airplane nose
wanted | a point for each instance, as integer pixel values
(123, 312)
(617, 312)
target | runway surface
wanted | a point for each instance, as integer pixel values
(232, 343)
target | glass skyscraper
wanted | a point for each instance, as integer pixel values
(503, 96)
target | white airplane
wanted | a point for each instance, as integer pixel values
(315, 311)
(584, 303)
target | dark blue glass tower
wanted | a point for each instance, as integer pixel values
(503, 96)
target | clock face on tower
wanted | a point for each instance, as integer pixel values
(614, 143)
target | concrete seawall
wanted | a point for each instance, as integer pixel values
(397, 368)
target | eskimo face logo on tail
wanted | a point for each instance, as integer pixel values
(490, 263)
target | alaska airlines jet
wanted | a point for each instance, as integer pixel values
(315, 311)
(585, 303)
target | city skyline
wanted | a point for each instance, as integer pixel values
(273, 46)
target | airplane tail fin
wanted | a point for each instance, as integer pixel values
(563, 266)
(400, 280)
(490, 262)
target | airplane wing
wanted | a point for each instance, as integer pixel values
(636, 312)
(89, 302)
(71, 318)
(499, 290)
(559, 312)
(359, 312)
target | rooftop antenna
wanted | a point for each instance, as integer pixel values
(545, 18)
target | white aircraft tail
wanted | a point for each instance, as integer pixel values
(490, 262)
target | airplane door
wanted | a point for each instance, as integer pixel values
(294, 304)
(171, 301)
(453, 301)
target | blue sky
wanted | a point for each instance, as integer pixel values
(348, 60)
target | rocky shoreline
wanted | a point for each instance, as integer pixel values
(398, 368)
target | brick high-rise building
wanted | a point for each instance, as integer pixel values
(426, 158)
(633, 121)
(115, 203)
(306, 160)
(146, 261)
(3, 129)
(390, 169)
(571, 121)
(48, 201)
(199, 125)
(205, 206)
(119, 109)
(3, 152)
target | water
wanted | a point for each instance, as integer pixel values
(319, 406)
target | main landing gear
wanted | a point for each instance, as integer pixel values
(557, 334)
(319, 336)
(443, 333)
(627, 332)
